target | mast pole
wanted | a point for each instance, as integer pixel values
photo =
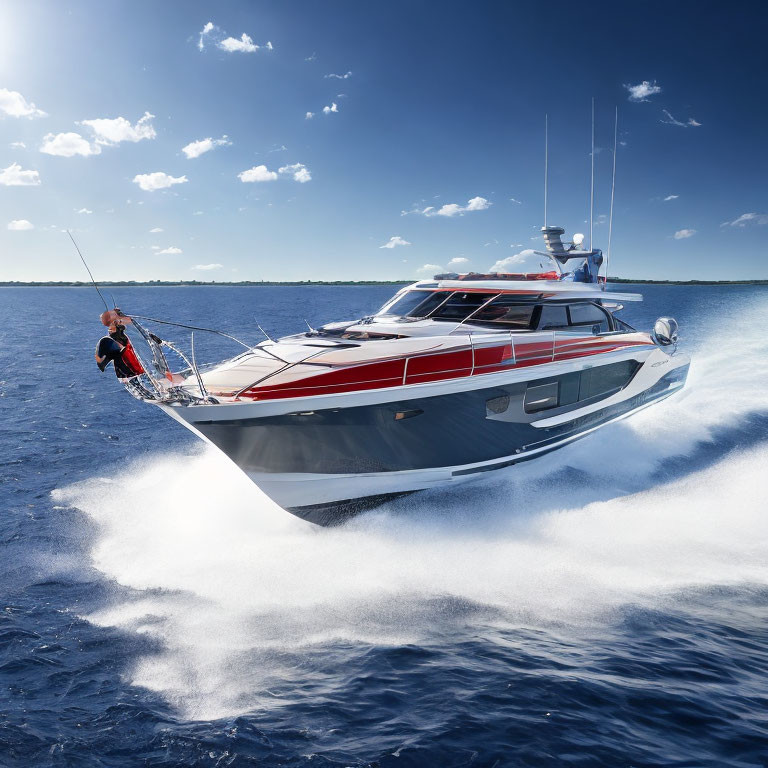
(546, 164)
(592, 178)
(613, 188)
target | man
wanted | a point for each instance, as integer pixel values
(116, 348)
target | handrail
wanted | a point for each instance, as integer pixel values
(203, 390)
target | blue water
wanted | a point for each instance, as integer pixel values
(606, 605)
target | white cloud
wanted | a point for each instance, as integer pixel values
(155, 230)
(690, 123)
(345, 76)
(394, 242)
(243, 44)
(333, 108)
(196, 148)
(111, 131)
(13, 104)
(19, 225)
(299, 171)
(670, 197)
(430, 269)
(173, 250)
(68, 145)
(682, 234)
(85, 211)
(452, 209)
(204, 32)
(257, 173)
(309, 115)
(747, 218)
(313, 57)
(107, 133)
(206, 267)
(17, 145)
(151, 182)
(14, 176)
(478, 204)
(642, 91)
(513, 200)
(502, 265)
(458, 260)
(197, 213)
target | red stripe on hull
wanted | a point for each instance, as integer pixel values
(443, 366)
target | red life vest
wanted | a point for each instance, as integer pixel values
(131, 361)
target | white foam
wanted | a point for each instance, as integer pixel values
(236, 590)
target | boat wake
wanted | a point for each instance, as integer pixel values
(244, 600)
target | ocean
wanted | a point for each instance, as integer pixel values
(605, 605)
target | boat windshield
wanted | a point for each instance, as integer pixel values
(416, 303)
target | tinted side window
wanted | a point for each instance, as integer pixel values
(429, 304)
(541, 397)
(405, 304)
(572, 388)
(589, 314)
(501, 311)
(604, 379)
(461, 305)
(552, 316)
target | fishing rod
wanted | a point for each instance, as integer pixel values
(106, 306)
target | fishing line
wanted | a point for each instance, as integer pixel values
(106, 306)
(189, 327)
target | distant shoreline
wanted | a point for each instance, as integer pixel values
(296, 283)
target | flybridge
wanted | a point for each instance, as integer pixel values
(547, 289)
(545, 268)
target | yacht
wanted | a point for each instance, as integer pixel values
(453, 377)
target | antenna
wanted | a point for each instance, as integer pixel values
(613, 187)
(106, 306)
(592, 177)
(546, 164)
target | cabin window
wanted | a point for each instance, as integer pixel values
(540, 397)
(603, 380)
(429, 305)
(414, 304)
(620, 325)
(552, 316)
(461, 305)
(504, 313)
(572, 388)
(589, 314)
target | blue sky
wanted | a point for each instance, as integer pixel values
(431, 141)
